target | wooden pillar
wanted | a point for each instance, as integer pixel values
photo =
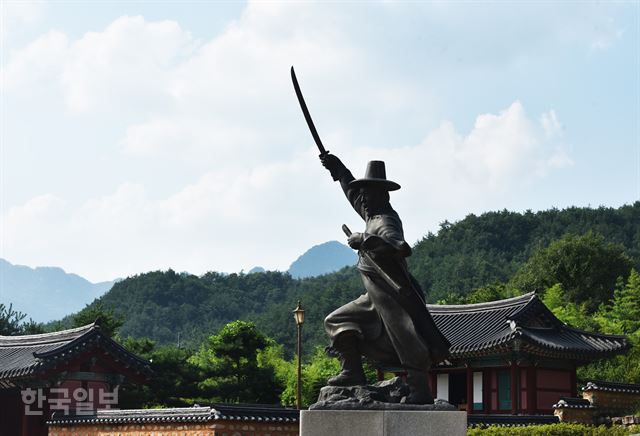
(433, 383)
(469, 389)
(532, 390)
(514, 388)
(486, 390)
(573, 381)
(25, 430)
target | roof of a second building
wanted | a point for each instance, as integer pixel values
(599, 385)
(26, 355)
(495, 326)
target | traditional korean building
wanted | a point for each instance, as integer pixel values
(512, 356)
(70, 371)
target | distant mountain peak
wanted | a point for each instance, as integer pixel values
(322, 259)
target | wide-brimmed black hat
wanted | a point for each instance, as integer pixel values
(376, 176)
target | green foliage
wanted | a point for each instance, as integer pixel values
(491, 292)
(586, 266)
(314, 377)
(229, 366)
(141, 347)
(571, 313)
(285, 371)
(10, 320)
(562, 429)
(109, 322)
(32, 327)
(174, 380)
(621, 316)
(490, 248)
(12, 323)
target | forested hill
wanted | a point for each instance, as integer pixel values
(474, 252)
(479, 250)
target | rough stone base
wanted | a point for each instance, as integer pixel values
(384, 395)
(382, 423)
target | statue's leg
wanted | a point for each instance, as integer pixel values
(419, 391)
(381, 350)
(348, 327)
(346, 345)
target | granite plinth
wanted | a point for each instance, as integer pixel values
(382, 423)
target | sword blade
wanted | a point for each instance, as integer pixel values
(307, 115)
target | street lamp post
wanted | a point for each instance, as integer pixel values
(298, 314)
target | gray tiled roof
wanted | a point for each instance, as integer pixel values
(573, 403)
(503, 420)
(24, 356)
(524, 322)
(629, 388)
(221, 412)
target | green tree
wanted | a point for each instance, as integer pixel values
(492, 292)
(229, 365)
(12, 323)
(174, 382)
(624, 368)
(621, 316)
(10, 320)
(586, 266)
(573, 314)
(32, 327)
(109, 321)
(314, 376)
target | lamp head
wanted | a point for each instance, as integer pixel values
(298, 314)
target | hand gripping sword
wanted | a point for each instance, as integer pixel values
(395, 286)
(307, 115)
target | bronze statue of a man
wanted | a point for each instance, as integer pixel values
(389, 323)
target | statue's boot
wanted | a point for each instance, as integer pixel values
(419, 392)
(352, 373)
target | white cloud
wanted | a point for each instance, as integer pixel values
(125, 64)
(122, 68)
(17, 15)
(32, 226)
(229, 218)
(38, 63)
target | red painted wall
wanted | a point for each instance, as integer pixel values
(552, 384)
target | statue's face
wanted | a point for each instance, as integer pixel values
(373, 200)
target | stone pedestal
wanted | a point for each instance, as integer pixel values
(382, 423)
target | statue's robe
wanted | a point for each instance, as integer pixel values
(393, 327)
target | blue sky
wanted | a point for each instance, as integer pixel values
(148, 135)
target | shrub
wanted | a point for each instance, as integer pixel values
(562, 429)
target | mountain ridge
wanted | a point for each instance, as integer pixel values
(46, 293)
